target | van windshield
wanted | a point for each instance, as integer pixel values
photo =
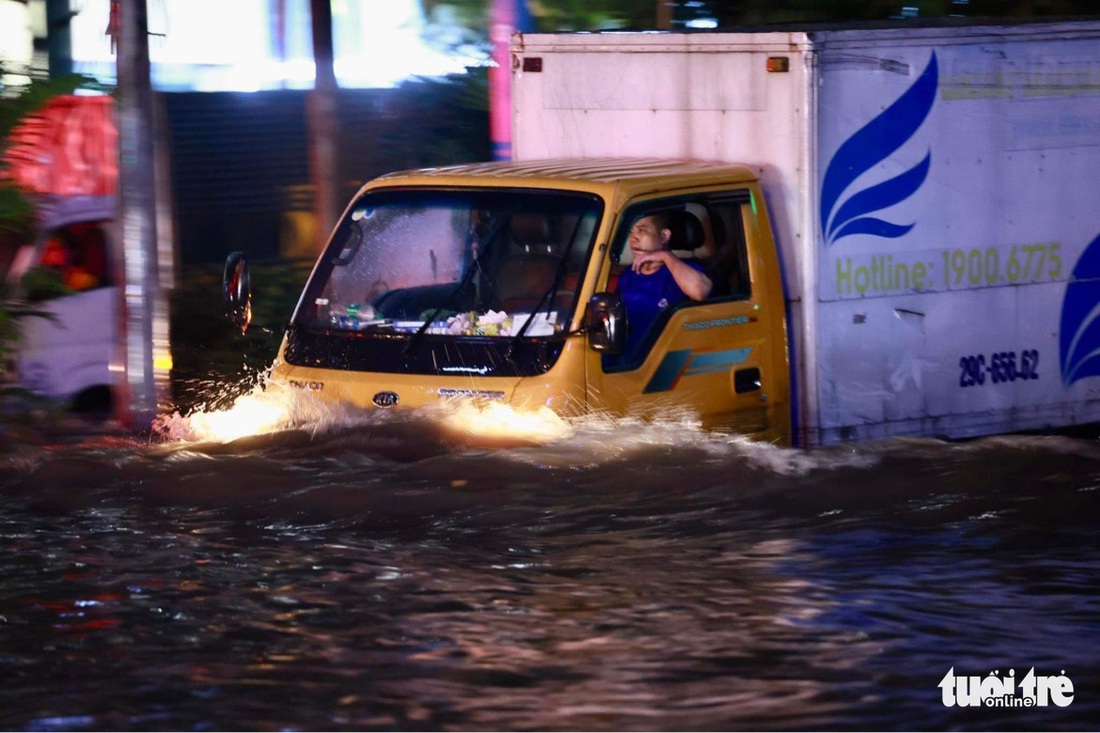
(463, 263)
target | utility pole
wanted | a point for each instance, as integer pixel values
(664, 14)
(321, 116)
(505, 17)
(59, 37)
(142, 355)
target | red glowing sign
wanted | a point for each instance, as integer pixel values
(69, 148)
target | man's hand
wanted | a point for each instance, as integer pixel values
(647, 263)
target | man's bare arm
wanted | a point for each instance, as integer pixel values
(694, 283)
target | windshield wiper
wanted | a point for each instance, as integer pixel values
(547, 297)
(414, 340)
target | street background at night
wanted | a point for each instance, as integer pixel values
(368, 570)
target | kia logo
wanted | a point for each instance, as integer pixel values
(385, 400)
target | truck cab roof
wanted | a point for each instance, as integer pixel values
(626, 177)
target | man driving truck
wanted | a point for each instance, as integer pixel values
(657, 278)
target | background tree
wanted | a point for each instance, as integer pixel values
(564, 15)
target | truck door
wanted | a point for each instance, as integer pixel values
(721, 360)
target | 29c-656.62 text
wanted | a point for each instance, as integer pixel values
(1003, 366)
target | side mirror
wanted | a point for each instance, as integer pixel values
(237, 291)
(605, 322)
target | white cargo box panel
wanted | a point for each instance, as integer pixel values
(958, 230)
(929, 187)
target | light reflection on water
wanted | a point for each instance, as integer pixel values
(395, 574)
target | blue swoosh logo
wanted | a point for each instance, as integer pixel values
(1079, 336)
(873, 143)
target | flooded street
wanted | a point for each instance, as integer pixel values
(396, 573)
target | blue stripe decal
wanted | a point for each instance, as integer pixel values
(693, 372)
(673, 366)
(668, 372)
(714, 361)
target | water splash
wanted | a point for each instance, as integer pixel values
(271, 408)
(268, 408)
(538, 436)
(497, 420)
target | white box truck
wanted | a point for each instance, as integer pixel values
(65, 158)
(900, 225)
(931, 189)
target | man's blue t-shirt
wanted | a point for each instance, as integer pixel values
(645, 298)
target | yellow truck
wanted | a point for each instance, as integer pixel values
(892, 219)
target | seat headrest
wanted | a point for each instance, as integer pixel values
(686, 230)
(532, 229)
(527, 275)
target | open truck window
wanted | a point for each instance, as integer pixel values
(706, 230)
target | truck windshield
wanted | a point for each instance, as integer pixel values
(463, 263)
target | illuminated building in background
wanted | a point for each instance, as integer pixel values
(251, 45)
(16, 43)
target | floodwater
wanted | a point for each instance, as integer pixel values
(377, 571)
